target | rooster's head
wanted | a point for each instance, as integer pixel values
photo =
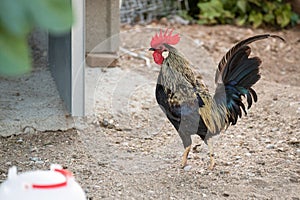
(159, 45)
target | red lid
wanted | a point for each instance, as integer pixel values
(65, 173)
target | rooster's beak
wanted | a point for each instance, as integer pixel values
(151, 49)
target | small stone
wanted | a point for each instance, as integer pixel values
(105, 123)
(260, 162)
(280, 149)
(238, 157)
(163, 21)
(280, 141)
(267, 141)
(250, 174)
(269, 188)
(228, 163)
(224, 172)
(74, 156)
(248, 154)
(270, 146)
(20, 140)
(275, 129)
(33, 149)
(28, 130)
(225, 194)
(298, 151)
(187, 168)
(294, 179)
(8, 163)
(40, 162)
(35, 159)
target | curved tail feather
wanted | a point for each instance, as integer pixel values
(235, 76)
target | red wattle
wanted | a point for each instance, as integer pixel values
(158, 58)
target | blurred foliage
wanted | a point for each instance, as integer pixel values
(244, 12)
(17, 19)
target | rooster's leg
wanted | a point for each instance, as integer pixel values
(185, 156)
(211, 153)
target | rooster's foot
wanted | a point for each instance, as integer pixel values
(185, 156)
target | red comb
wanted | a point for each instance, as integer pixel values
(166, 38)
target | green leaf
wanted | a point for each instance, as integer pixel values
(269, 7)
(269, 18)
(203, 21)
(14, 55)
(283, 15)
(256, 2)
(255, 18)
(210, 10)
(242, 5)
(14, 17)
(54, 15)
(213, 11)
(241, 20)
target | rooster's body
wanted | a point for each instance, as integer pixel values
(187, 102)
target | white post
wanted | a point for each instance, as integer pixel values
(78, 58)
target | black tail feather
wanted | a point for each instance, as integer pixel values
(235, 76)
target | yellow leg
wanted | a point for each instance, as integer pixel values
(185, 156)
(211, 154)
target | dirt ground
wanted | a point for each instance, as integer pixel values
(259, 158)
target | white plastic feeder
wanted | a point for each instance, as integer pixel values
(55, 184)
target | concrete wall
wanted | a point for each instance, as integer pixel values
(102, 26)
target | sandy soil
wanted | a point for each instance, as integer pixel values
(116, 158)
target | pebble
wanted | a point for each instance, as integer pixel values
(226, 194)
(105, 122)
(250, 174)
(228, 163)
(260, 162)
(8, 163)
(111, 121)
(39, 162)
(35, 159)
(20, 140)
(270, 146)
(294, 179)
(187, 168)
(238, 157)
(267, 141)
(281, 149)
(28, 130)
(248, 154)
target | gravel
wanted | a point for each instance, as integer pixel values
(136, 154)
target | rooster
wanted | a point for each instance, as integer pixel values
(185, 99)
